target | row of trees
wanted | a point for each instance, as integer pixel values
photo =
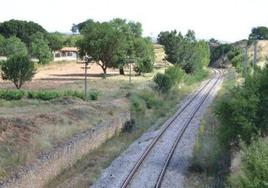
(28, 38)
(115, 44)
(185, 51)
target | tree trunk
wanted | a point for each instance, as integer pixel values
(104, 72)
(121, 71)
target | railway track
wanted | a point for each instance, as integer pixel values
(190, 109)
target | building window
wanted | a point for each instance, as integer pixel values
(57, 54)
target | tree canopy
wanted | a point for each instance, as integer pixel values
(259, 33)
(21, 29)
(14, 46)
(18, 69)
(185, 51)
(55, 40)
(111, 44)
(40, 48)
(2, 45)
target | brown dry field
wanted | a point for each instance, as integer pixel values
(55, 75)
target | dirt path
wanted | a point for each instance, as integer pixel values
(114, 175)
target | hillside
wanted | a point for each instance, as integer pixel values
(262, 53)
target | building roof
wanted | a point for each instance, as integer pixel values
(69, 49)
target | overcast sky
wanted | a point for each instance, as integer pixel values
(226, 20)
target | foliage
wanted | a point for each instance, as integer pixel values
(185, 51)
(171, 41)
(55, 40)
(14, 46)
(175, 73)
(254, 170)
(120, 40)
(40, 48)
(43, 95)
(77, 28)
(20, 29)
(144, 55)
(102, 51)
(46, 95)
(217, 50)
(49, 95)
(259, 33)
(11, 94)
(71, 40)
(2, 45)
(163, 82)
(243, 113)
(18, 69)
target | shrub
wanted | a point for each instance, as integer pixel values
(93, 95)
(254, 166)
(43, 95)
(12, 94)
(128, 126)
(137, 104)
(18, 69)
(150, 99)
(71, 93)
(163, 82)
(175, 74)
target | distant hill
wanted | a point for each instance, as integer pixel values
(262, 53)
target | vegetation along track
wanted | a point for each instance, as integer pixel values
(189, 109)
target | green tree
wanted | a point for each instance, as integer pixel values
(55, 41)
(14, 46)
(2, 45)
(171, 42)
(163, 82)
(185, 51)
(71, 40)
(259, 33)
(40, 48)
(77, 28)
(21, 29)
(254, 165)
(144, 55)
(101, 41)
(18, 69)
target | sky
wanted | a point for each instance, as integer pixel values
(225, 20)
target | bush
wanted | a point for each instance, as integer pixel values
(163, 82)
(12, 94)
(175, 74)
(71, 93)
(43, 95)
(18, 69)
(254, 167)
(243, 112)
(150, 99)
(93, 95)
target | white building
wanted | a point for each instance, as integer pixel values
(66, 54)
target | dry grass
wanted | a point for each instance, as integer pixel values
(28, 127)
